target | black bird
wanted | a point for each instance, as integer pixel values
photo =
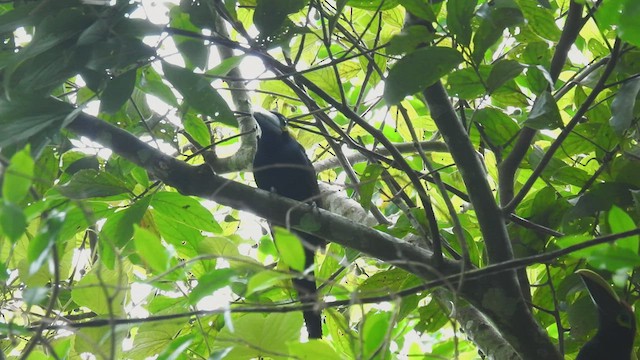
(282, 166)
(617, 323)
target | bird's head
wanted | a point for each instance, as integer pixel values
(615, 316)
(272, 124)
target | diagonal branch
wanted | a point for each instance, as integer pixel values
(508, 168)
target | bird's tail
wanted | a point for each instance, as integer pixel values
(307, 293)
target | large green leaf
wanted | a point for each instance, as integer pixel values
(459, 15)
(89, 183)
(545, 113)
(498, 126)
(269, 16)
(18, 176)
(622, 107)
(290, 248)
(540, 19)
(117, 91)
(257, 335)
(375, 5)
(199, 93)
(418, 70)
(620, 221)
(118, 229)
(186, 210)
(194, 51)
(23, 118)
(501, 72)
(210, 282)
(495, 17)
(151, 250)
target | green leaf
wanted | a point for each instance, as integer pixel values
(540, 19)
(545, 113)
(210, 282)
(409, 39)
(495, 16)
(55, 29)
(14, 329)
(12, 221)
(118, 229)
(176, 233)
(269, 16)
(629, 28)
(102, 290)
(177, 348)
(63, 347)
(137, 27)
(151, 250)
(339, 9)
(613, 258)
(90, 183)
(290, 248)
(621, 16)
(117, 91)
(18, 17)
(118, 53)
(386, 282)
(264, 280)
(151, 83)
(373, 5)
(501, 72)
(40, 246)
(421, 9)
(620, 221)
(228, 64)
(95, 32)
(34, 295)
(459, 15)
(258, 336)
(199, 93)
(570, 240)
(432, 318)
(194, 51)
(600, 198)
(468, 83)
(368, 184)
(325, 78)
(314, 349)
(18, 176)
(583, 317)
(622, 114)
(198, 130)
(498, 126)
(374, 332)
(186, 210)
(408, 75)
(25, 117)
(4, 275)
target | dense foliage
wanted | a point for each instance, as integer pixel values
(473, 155)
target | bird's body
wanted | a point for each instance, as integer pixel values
(282, 166)
(616, 323)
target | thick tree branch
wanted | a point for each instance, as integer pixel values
(507, 169)
(528, 338)
(200, 181)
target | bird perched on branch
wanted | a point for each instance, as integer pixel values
(616, 322)
(282, 166)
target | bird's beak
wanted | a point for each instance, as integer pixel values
(600, 291)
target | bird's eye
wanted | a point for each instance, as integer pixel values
(624, 319)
